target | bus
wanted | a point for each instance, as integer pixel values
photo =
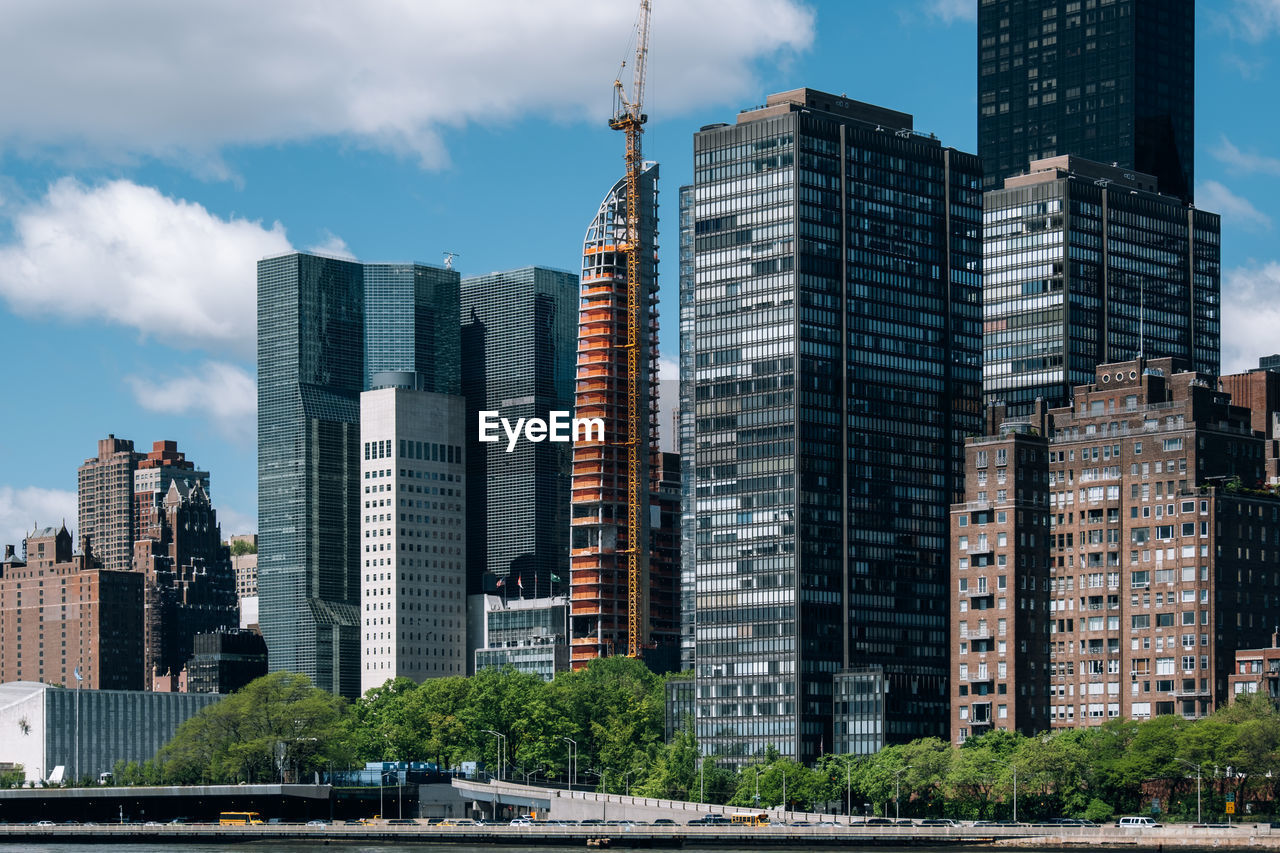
(750, 819)
(239, 819)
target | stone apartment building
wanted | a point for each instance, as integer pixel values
(1161, 561)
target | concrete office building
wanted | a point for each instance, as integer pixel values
(64, 620)
(412, 532)
(1110, 80)
(1085, 264)
(1159, 565)
(837, 268)
(519, 339)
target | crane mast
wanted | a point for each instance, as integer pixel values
(630, 120)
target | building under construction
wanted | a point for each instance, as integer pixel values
(601, 534)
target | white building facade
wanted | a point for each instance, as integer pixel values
(413, 535)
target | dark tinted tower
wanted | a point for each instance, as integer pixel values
(1109, 80)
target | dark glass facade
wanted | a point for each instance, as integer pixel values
(310, 374)
(837, 362)
(519, 344)
(411, 324)
(1110, 80)
(1085, 265)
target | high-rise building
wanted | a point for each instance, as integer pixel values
(1000, 594)
(413, 604)
(519, 337)
(1160, 560)
(105, 502)
(325, 327)
(685, 433)
(1113, 81)
(600, 536)
(310, 375)
(411, 324)
(837, 356)
(1258, 390)
(189, 583)
(64, 620)
(1086, 264)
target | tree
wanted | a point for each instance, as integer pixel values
(276, 723)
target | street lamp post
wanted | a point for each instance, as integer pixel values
(848, 790)
(897, 790)
(573, 748)
(1195, 767)
(1015, 793)
(502, 746)
(701, 789)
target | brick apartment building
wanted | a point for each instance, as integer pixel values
(60, 612)
(1161, 561)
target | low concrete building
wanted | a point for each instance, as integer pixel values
(87, 731)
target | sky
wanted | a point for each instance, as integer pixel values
(152, 152)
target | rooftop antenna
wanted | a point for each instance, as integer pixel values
(448, 259)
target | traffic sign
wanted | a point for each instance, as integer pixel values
(1231, 798)
(1231, 808)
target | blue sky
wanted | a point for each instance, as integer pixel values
(150, 153)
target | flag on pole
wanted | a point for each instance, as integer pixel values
(79, 677)
(501, 581)
(555, 578)
(520, 582)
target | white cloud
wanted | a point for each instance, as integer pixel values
(24, 508)
(1236, 210)
(236, 523)
(1250, 315)
(1248, 162)
(126, 254)
(180, 80)
(225, 393)
(333, 246)
(949, 11)
(1255, 20)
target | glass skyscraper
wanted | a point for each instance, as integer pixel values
(837, 272)
(1110, 80)
(310, 374)
(1085, 264)
(519, 344)
(685, 432)
(322, 322)
(410, 324)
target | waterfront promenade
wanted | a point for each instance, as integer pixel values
(572, 837)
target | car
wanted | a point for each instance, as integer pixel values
(826, 823)
(664, 821)
(591, 822)
(520, 821)
(800, 823)
(402, 821)
(939, 821)
(316, 823)
(879, 821)
(45, 823)
(1137, 822)
(153, 823)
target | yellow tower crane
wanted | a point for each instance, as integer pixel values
(627, 117)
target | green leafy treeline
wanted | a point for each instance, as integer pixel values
(613, 709)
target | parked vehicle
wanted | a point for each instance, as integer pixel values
(1138, 822)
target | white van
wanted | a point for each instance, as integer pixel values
(1137, 823)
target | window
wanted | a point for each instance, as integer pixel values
(1172, 444)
